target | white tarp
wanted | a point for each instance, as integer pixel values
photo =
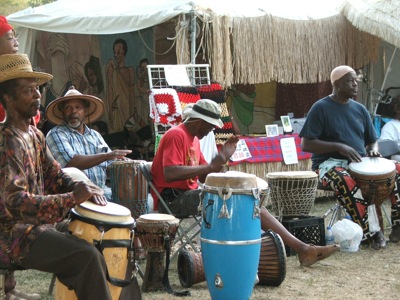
(119, 16)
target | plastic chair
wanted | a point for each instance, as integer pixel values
(387, 148)
(185, 234)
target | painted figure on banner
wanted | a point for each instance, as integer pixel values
(120, 93)
(58, 51)
(94, 77)
(76, 74)
(143, 87)
(243, 97)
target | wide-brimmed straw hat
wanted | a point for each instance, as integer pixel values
(94, 111)
(14, 66)
(207, 110)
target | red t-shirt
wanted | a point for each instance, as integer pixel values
(177, 148)
(2, 113)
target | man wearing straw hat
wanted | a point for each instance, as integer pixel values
(73, 143)
(36, 193)
(9, 45)
(179, 164)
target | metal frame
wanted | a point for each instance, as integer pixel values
(199, 75)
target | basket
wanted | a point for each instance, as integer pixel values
(292, 193)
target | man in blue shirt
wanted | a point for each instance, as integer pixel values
(74, 144)
(338, 131)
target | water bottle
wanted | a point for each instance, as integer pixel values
(329, 238)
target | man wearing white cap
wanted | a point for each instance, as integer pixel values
(179, 164)
(338, 131)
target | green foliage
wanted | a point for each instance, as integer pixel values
(11, 6)
(35, 3)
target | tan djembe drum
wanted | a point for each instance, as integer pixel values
(109, 223)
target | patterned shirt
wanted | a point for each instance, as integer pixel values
(66, 142)
(34, 192)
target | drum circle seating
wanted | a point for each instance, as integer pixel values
(128, 186)
(292, 193)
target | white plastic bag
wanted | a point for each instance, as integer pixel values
(348, 234)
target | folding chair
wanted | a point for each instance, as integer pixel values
(185, 234)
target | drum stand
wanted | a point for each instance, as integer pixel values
(152, 280)
(337, 211)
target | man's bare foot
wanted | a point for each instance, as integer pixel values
(316, 253)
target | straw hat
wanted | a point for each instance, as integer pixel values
(95, 109)
(206, 110)
(14, 66)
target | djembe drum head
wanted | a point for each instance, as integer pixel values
(152, 228)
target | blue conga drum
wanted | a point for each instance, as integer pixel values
(230, 234)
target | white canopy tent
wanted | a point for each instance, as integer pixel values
(280, 23)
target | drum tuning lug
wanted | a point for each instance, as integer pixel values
(256, 193)
(256, 211)
(218, 281)
(224, 213)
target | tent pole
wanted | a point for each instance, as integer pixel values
(388, 70)
(193, 34)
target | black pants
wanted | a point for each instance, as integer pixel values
(75, 262)
(181, 203)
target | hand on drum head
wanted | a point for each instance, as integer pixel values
(84, 191)
(350, 153)
(118, 154)
(373, 153)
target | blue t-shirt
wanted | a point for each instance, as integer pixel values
(348, 123)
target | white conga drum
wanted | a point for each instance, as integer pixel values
(152, 229)
(92, 223)
(231, 234)
(128, 186)
(292, 193)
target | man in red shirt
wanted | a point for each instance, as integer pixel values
(179, 164)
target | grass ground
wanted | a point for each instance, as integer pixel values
(366, 274)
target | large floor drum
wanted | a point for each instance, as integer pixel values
(93, 222)
(230, 234)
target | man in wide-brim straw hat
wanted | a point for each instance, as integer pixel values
(74, 144)
(36, 193)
